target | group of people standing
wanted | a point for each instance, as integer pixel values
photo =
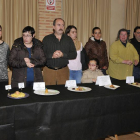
(63, 57)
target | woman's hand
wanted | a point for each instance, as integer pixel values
(27, 60)
(105, 67)
(30, 65)
(136, 62)
(128, 62)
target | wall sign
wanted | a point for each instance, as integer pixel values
(50, 5)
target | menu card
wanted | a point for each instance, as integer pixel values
(130, 79)
(39, 86)
(20, 85)
(103, 80)
(70, 83)
(8, 87)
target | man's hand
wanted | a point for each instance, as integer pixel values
(57, 54)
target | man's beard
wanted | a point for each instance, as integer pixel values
(1, 38)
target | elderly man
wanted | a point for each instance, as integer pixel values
(59, 48)
(136, 43)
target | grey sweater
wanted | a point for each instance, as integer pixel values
(4, 53)
(66, 45)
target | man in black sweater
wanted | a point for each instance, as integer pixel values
(59, 48)
(135, 41)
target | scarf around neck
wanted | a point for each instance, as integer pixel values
(77, 44)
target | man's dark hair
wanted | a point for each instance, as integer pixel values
(68, 29)
(95, 59)
(95, 28)
(136, 28)
(57, 19)
(29, 29)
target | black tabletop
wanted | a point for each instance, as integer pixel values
(71, 115)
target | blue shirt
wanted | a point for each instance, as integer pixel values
(30, 71)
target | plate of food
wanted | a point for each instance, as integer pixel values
(79, 89)
(136, 84)
(17, 95)
(113, 87)
(47, 92)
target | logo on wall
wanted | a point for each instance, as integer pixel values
(50, 5)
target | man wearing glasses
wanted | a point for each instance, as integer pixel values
(26, 59)
(135, 41)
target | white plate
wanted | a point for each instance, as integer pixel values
(135, 85)
(86, 89)
(50, 92)
(108, 86)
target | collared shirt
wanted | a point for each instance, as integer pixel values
(65, 45)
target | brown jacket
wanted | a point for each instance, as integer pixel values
(19, 67)
(97, 50)
(89, 75)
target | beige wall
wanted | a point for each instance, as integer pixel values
(117, 18)
(46, 18)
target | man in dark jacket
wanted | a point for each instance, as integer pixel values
(135, 41)
(26, 59)
(59, 48)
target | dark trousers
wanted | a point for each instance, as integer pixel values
(136, 72)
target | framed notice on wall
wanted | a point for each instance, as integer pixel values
(50, 5)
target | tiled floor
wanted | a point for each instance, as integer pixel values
(127, 137)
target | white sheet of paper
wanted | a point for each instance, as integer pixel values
(7, 87)
(20, 85)
(103, 80)
(70, 83)
(39, 86)
(130, 79)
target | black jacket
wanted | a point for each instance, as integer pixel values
(19, 67)
(136, 44)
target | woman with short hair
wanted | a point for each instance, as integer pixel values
(122, 57)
